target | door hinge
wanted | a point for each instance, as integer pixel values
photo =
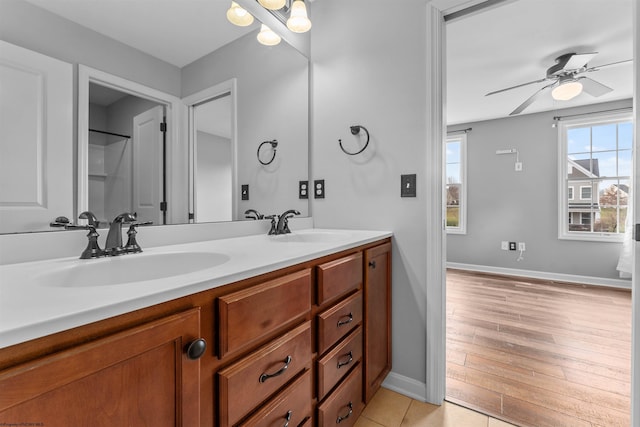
(191, 215)
(163, 206)
(637, 232)
(163, 127)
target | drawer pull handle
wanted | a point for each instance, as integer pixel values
(372, 264)
(347, 321)
(288, 418)
(342, 418)
(265, 377)
(341, 364)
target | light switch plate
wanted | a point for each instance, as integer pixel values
(408, 185)
(244, 192)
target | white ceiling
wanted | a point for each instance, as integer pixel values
(503, 46)
(517, 41)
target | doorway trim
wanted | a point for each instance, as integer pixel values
(176, 183)
(192, 101)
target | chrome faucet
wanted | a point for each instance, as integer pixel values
(253, 214)
(113, 246)
(283, 221)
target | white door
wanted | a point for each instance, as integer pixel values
(147, 165)
(36, 139)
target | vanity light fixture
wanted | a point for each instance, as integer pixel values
(272, 4)
(298, 22)
(568, 88)
(239, 16)
(267, 36)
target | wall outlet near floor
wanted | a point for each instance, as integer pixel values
(504, 245)
(521, 246)
(512, 246)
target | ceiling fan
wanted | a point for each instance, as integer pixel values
(566, 80)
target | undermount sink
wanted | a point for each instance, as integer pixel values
(127, 269)
(312, 236)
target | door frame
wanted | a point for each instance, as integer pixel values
(176, 154)
(192, 101)
(436, 237)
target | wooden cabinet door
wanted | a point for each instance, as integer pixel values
(377, 313)
(138, 377)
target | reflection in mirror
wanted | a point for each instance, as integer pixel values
(213, 165)
(125, 155)
(269, 99)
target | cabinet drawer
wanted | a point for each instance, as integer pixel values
(335, 322)
(338, 277)
(250, 314)
(336, 364)
(344, 405)
(251, 380)
(290, 407)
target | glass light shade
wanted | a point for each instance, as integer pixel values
(267, 37)
(238, 16)
(567, 90)
(298, 22)
(272, 4)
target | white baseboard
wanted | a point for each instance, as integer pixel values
(406, 386)
(559, 277)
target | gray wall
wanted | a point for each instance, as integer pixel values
(523, 206)
(354, 83)
(34, 28)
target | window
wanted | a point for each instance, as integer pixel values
(585, 193)
(595, 156)
(455, 186)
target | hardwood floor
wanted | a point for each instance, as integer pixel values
(539, 353)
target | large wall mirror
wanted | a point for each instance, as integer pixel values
(199, 168)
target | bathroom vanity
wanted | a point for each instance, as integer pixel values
(286, 330)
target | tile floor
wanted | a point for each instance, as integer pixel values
(391, 409)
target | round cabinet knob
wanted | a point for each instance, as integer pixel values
(196, 349)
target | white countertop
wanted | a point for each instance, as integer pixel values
(30, 307)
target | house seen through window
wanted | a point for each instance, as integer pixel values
(596, 168)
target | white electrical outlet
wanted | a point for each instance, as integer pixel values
(518, 166)
(521, 246)
(504, 245)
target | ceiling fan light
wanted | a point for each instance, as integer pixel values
(239, 16)
(267, 36)
(299, 22)
(272, 4)
(567, 90)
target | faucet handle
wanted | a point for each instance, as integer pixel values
(88, 215)
(132, 246)
(273, 228)
(61, 221)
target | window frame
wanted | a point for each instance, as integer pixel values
(588, 187)
(462, 207)
(563, 184)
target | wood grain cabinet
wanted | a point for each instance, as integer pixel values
(138, 377)
(377, 317)
(303, 346)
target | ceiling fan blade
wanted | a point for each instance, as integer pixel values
(597, 67)
(593, 87)
(531, 99)
(517, 86)
(578, 60)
